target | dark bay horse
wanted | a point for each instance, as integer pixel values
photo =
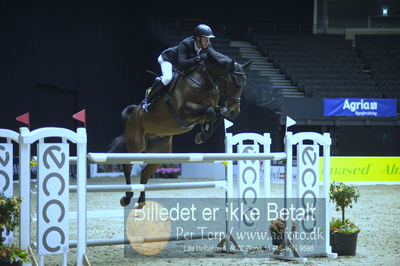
(194, 100)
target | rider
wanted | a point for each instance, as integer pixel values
(190, 52)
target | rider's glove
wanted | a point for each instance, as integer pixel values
(200, 58)
(203, 55)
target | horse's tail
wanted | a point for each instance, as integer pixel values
(126, 112)
(118, 144)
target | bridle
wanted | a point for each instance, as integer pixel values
(216, 90)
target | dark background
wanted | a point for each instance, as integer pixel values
(59, 57)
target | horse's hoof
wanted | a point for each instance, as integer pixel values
(139, 205)
(206, 127)
(223, 111)
(124, 201)
(198, 139)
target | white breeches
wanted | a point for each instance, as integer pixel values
(166, 69)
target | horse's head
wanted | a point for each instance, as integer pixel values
(229, 78)
(232, 88)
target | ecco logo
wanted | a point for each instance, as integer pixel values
(249, 178)
(308, 181)
(53, 188)
(4, 160)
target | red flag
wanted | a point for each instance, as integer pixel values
(24, 119)
(81, 116)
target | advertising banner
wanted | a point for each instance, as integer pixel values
(360, 107)
(365, 169)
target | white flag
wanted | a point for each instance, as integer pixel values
(227, 124)
(289, 122)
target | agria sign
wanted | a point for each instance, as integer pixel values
(359, 107)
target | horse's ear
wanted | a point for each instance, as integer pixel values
(246, 65)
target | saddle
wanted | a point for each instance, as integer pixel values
(166, 90)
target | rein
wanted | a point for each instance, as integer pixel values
(188, 77)
(215, 90)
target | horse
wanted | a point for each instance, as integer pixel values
(194, 99)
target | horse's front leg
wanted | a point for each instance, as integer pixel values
(208, 130)
(212, 117)
(194, 109)
(162, 144)
(144, 178)
(135, 143)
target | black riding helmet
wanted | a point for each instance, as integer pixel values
(203, 30)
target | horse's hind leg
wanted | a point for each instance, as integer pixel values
(125, 200)
(163, 144)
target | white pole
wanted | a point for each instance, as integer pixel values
(152, 187)
(132, 158)
(229, 189)
(25, 187)
(267, 177)
(288, 194)
(289, 163)
(267, 166)
(229, 168)
(327, 178)
(81, 196)
(65, 259)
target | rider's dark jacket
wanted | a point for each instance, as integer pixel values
(182, 56)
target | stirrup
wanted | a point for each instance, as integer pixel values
(147, 92)
(145, 105)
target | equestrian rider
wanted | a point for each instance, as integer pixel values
(190, 52)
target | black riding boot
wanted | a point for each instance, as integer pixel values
(151, 95)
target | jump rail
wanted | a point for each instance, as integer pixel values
(125, 241)
(152, 187)
(131, 158)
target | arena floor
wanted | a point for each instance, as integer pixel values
(377, 213)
